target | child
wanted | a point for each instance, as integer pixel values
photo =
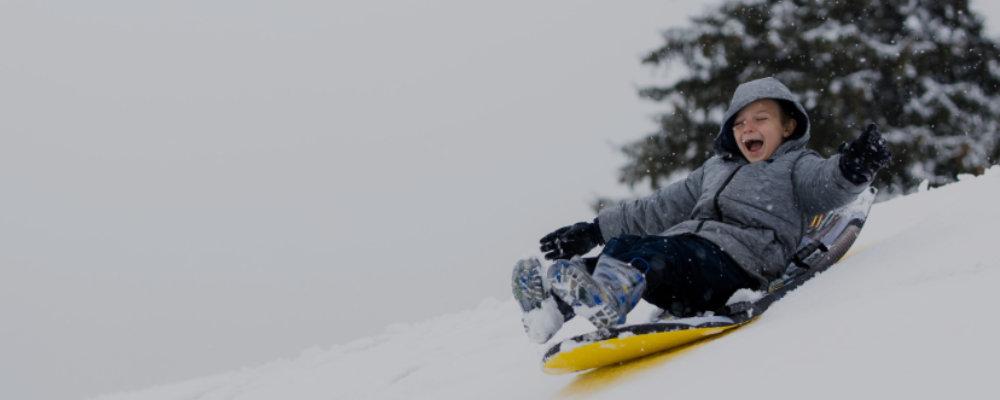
(732, 223)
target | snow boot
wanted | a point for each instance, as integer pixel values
(605, 297)
(543, 314)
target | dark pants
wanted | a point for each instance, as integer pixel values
(684, 274)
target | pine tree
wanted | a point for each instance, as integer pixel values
(921, 69)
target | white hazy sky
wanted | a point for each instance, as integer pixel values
(191, 186)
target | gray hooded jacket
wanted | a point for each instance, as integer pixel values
(755, 212)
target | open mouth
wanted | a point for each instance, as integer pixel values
(753, 145)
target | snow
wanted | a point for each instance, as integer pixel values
(747, 295)
(909, 315)
(543, 321)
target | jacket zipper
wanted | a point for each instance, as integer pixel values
(715, 201)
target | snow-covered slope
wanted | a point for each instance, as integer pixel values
(910, 315)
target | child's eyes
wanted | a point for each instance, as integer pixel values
(743, 122)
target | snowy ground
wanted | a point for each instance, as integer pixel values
(908, 316)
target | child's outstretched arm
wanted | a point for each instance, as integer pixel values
(647, 216)
(655, 213)
(823, 184)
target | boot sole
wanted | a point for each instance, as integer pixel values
(527, 285)
(578, 289)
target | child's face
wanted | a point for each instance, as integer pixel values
(759, 130)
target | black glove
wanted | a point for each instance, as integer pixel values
(573, 240)
(861, 158)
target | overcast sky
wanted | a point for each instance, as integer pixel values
(193, 186)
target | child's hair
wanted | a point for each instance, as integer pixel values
(788, 111)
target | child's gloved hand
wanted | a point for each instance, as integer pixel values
(573, 240)
(861, 158)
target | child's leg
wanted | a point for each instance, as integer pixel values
(685, 274)
(604, 296)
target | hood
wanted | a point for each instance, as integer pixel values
(749, 92)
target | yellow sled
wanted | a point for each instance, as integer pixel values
(628, 347)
